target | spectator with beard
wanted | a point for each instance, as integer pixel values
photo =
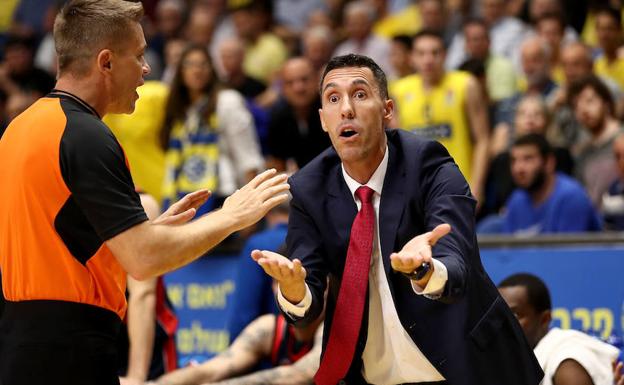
(545, 201)
(594, 108)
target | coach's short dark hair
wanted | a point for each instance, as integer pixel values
(536, 140)
(537, 292)
(591, 81)
(358, 61)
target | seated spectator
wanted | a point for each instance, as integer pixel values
(358, 20)
(295, 131)
(532, 117)
(317, 44)
(208, 134)
(613, 200)
(18, 72)
(540, 8)
(551, 28)
(506, 33)
(293, 352)
(576, 63)
(403, 22)
(500, 74)
(545, 201)
(594, 108)
(232, 56)
(254, 295)
(609, 34)
(400, 56)
(566, 356)
(535, 58)
(264, 51)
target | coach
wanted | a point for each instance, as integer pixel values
(387, 321)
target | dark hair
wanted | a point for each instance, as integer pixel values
(591, 81)
(614, 13)
(556, 16)
(179, 99)
(358, 61)
(404, 40)
(20, 41)
(537, 292)
(473, 20)
(429, 33)
(536, 140)
(474, 66)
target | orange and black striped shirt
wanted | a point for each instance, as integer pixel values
(65, 189)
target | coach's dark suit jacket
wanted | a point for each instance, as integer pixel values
(469, 334)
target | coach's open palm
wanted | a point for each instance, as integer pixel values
(417, 250)
(289, 274)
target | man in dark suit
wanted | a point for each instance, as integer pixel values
(422, 315)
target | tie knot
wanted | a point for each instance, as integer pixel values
(365, 194)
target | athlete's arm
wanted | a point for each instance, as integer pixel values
(301, 372)
(150, 249)
(142, 312)
(253, 344)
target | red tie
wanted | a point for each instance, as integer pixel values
(345, 326)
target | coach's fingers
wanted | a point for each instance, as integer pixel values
(438, 232)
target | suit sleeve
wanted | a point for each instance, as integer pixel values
(304, 243)
(447, 199)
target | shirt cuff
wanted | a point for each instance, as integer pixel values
(436, 283)
(294, 310)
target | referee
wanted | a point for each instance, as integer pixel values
(71, 223)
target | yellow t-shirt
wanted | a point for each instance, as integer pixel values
(6, 14)
(139, 135)
(265, 57)
(438, 113)
(407, 22)
(614, 70)
(588, 35)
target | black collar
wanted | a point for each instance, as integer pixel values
(56, 92)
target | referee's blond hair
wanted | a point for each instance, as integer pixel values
(83, 28)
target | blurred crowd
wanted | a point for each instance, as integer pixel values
(233, 89)
(526, 95)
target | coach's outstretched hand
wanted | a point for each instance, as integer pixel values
(252, 201)
(289, 274)
(418, 250)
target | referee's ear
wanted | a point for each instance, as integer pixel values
(104, 61)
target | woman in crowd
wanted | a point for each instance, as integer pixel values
(208, 134)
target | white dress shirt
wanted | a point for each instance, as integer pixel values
(390, 356)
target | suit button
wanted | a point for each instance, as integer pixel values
(342, 382)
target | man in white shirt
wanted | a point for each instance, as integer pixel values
(399, 311)
(568, 357)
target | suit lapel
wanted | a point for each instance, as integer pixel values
(341, 209)
(392, 204)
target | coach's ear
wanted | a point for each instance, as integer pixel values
(104, 61)
(388, 110)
